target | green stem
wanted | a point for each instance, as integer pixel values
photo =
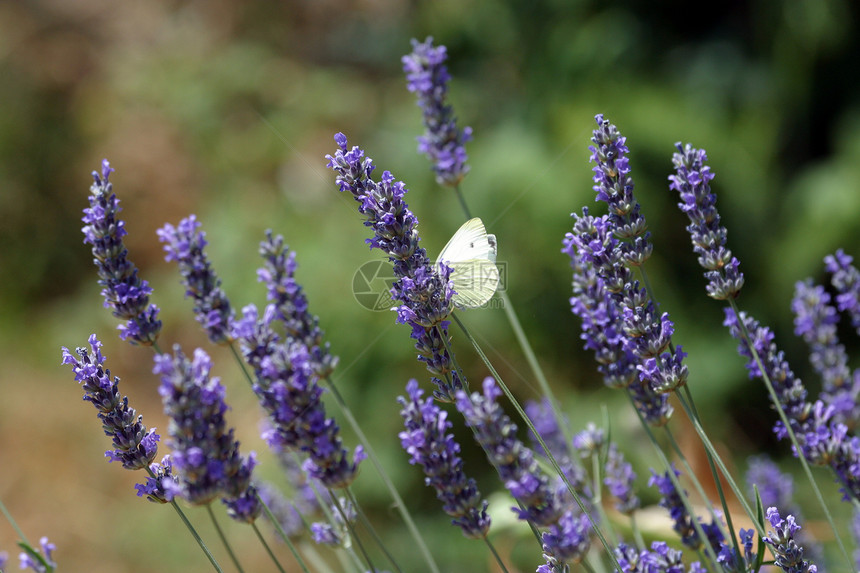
(283, 534)
(540, 440)
(784, 418)
(371, 529)
(348, 524)
(267, 548)
(13, 523)
(223, 538)
(495, 554)
(374, 459)
(196, 536)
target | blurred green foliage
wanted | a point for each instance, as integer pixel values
(226, 109)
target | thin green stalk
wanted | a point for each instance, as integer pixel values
(371, 529)
(13, 523)
(315, 558)
(495, 554)
(283, 534)
(398, 501)
(670, 472)
(784, 418)
(540, 440)
(267, 548)
(637, 533)
(336, 503)
(223, 538)
(197, 538)
(524, 343)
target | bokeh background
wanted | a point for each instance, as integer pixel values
(227, 109)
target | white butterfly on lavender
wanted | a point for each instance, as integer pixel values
(471, 254)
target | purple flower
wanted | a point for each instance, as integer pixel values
(429, 445)
(335, 533)
(514, 461)
(288, 390)
(134, 446)
(619, 481)
(287, 515)
(291, 303)
(661, 559)
(545, 422)
(40, 562)
(684, 526)
(4, 557)
(846, 281)
(692, 181)
(424, 292)
(123, 290)
(163, 485)
(567, 541)
(822, 440)
(184, 244)
(613, 185)
(729, 559)
(205, 453)
(601, 285)
(442, 142)
(815, 320)
(788, 554)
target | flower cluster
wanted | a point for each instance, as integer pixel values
(423, 290)
(660, 559)
(205, 453)
(599, 279)
(123, 291)
(443, 143)
(729, 559)
(692, 181)
(789, 555)
(291, 303)
(336, 532)
(40, 562)
(429, 445)
(823, 441)
(184, 244)
(289, 393)
(815, 319)
(684, 527)
(846, 280)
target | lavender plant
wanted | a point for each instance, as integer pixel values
(555, 497)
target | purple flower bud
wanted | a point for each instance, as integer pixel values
(789, 555)
(288, 390)
(513, 460)
(28, 561)
(291, 303)
(123, 290)
(442, 142)
(163, 486)
(184, 244)
(567, 541)
(205, 452)
(691, 181)
(671, 500)
(429, 445)
(134, 446)
(846, 281)
(423, 290)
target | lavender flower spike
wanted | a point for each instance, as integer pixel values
(287, 388)
(424, 292)
(123, 290)
(846, 281)
(184, 244)
(206, 455)
(514, 461)
(789, 555)
(815, 319)
(134, 446)
(40, 562)
(442, 142)
(691, 181)
(291, 303)
(428, 445)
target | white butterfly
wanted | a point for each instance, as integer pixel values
(471, 253)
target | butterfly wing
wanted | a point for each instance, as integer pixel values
(474, 281)
(471, 241)
(471, 253)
